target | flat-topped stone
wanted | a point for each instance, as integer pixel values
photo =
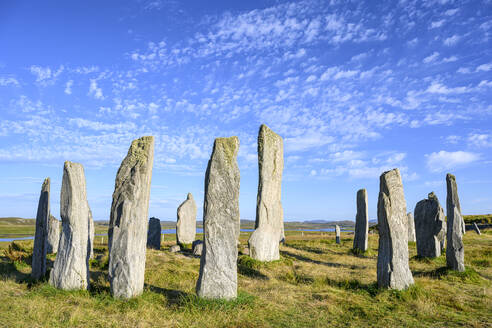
(154, 234)
(186, 224)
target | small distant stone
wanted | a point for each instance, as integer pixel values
(174, 248)
(477, 230)
(337, 232)
(154, 234)
(186, 224)
(197, 247)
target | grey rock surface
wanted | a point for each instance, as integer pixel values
(429, 221)
(264, 241)
(455, 250)
(91, 236)
(411, 227)
(218, 263)
(477, 230)
(127, 233)
(361, 222)
(393, 270)
(186, 224)
(174, 248)
(197, 247)
(154, 234)
(53, 234)
(40, 248)
(71, 267)
(337, 234)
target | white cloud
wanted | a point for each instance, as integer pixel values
(100, 126)
(444, 160)
(451, 12)
(438, 23)
(480, 140)
(439, 88)
(452, 40)
(6, 81)
(453, 139)
(484, 67)
(95, 91)
(431, 58)
(450, 59)
(68, 87)
(46, 75)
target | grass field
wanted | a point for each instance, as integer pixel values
(317, 283)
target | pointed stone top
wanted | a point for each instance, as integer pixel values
(189, 196)
(46, 181)
(432, 196)
(450, 176)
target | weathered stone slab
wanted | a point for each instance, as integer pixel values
(361, 222)
(174, 248)
(429, 222)
(477, 230)
(71, 267)
(218, 263)
(91, 235)
(129, 220)
(393, 270)
(41, 236)
(264, 241)
(411, 227)
(455, 250)
(337, 234)
(53, 235)
(186, 224)
(197, 247)
(154, 234)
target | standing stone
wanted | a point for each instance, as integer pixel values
(71, 268)
(361, 222)
(127, 233)
(337, 234)
(475, 227)
(455, 251)
(197, 247)
(393, 270)
(429, 220)
(218, 264)
(264, 241)
(411, 227)
(41, 237)
(154, 234)
(53, 235)
(91, 236)
(186, 225)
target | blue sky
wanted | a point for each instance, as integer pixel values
(354, 88)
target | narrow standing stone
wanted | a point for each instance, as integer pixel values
(361, 222)
(392, 268)
(411, 227)
(53, 234)
(264, 241)
(127, 234)
(455, 251)
(186, 224)
(475, 227)
(218, 263)
(91, 236)
(41, 236)
(429, 220)
(71, 268)
(154, 234)
(337, 233)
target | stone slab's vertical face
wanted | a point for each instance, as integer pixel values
(264, 241)
(127, 233)
(218, 263)
(411, 227)
(186, 224)
(337, 234)
(475, 227)
(71, 267)
(361, 222)
(91, 236)
(53, 234)
(429, 222)
(154, 234)
(455, 251)
(393, 270)
(41, 237)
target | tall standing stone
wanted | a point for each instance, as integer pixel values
(186, 223)
(41, 236)
(53, 234)
(264, 241)
(154, 234)
(411, 227)
(455, 251)
(337, 233)
(127, 233)
(92, 233)
(361, 222)
(71, 267)
(393, 270)
(429, 220)
(218, 263)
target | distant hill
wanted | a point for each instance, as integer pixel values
(17, 221)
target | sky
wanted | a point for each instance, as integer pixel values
(355, 88)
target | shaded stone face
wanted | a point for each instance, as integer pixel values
(218, 263)
(91, 236)
(53, 234)
(264, 241)
(129, 220)
(429, 222)
(361, 222)
(393, 270)
(154, 234)
(186, 224)
(41, 236)
(197, 247)
(455, 251)
(411, 227)
(71, 267)
(337, 234)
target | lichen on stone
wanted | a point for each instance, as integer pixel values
(229, 146)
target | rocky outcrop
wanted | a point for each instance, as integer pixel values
(411, 227)
(186, 224)
(429, 222)
(218, 263)
(455, 250)
(40, 248)
(361, 222)
(128, 220)
(53, 235)
(154, 234)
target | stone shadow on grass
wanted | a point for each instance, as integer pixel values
(354, 285)
(329, 264)
(174, 297)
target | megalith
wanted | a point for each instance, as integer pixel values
(91, 236)
(393, 270)
(127, 233)
(264, 241)
(455, 251)
(186, 224)
(41, 235)
(411, 227)
(361, 222)
(53, 234)
(218, 263)
(71, 267)
(337, 234)
(154, 234)
(429, 220)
